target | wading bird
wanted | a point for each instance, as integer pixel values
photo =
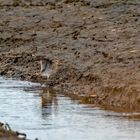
(48, 67)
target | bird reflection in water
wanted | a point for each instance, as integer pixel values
(49, 102)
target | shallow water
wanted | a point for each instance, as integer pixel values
(45, 115)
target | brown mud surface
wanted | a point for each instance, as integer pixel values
(97, 43)
(8, 135)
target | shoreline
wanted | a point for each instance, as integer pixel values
(98, 48)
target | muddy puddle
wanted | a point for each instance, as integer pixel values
(45, 115)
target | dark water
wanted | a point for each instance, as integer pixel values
(48, 116)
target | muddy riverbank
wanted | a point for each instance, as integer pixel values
(96, 43)
(8, 135)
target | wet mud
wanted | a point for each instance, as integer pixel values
(8, 135)
(96, 43)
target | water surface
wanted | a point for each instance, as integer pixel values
(45, 115)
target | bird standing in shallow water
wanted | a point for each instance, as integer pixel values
(48, 67)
